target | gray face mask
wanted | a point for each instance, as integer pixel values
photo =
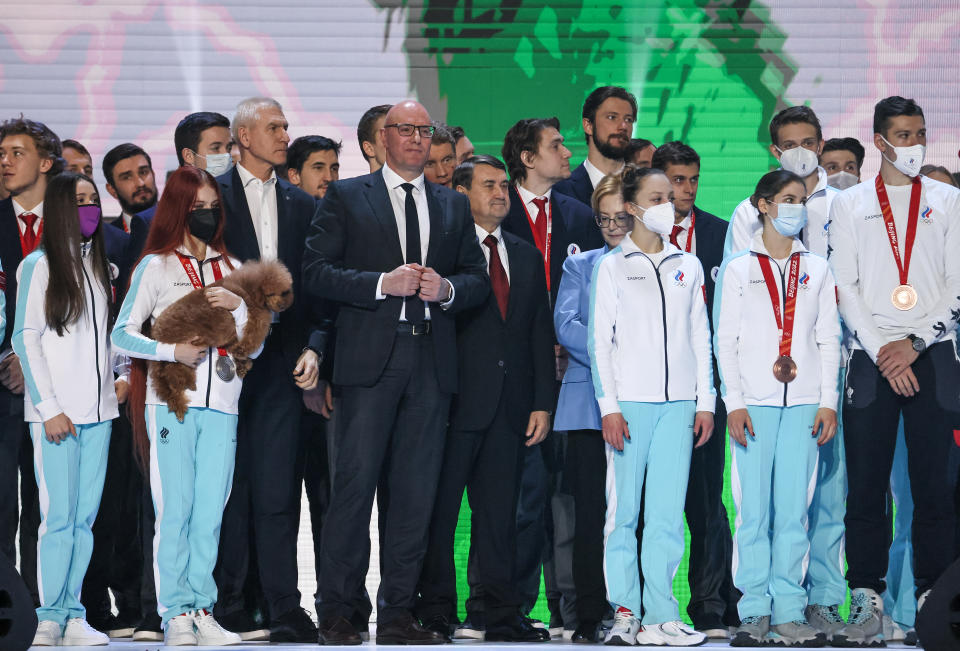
(218, 164)
(842, 180)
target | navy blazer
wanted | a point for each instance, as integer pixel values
(301, 325)
(577, 406)
(578, 185)
(354, 239)
(574, 230)
(710, 232)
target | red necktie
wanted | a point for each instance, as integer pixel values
(540, 225)
(29, 241)
(498, 277)
(674, 234)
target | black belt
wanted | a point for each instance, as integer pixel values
(407, 328)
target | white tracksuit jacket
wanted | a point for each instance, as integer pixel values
(747, 338)
(648, 334)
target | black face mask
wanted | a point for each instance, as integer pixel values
(203, 223)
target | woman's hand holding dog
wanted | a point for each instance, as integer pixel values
(307, 371)
(220, 297)
(190, 354)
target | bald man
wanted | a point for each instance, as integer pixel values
(399, 257)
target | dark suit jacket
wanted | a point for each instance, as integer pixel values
(573, 223)
(510, 359)
(577, 186)
(354, 239)
(710, 232)
(132, 242)
(10, 257)
(302, 324)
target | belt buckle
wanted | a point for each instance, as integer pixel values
(417, 329)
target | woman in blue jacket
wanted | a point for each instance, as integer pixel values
(64, 306)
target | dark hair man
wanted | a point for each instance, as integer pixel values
(640, 152)
(462, 144)
(369, 135)
(130, 180)
(77, 158)
(203, 140)
(443, 156)
(313, 163)
(842, 159)
(609, 113)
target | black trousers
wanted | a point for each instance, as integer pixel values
(870, 419)
(487, 464)
(585, 473)
(394, 429)
(266, 490)
(534, 524)
(147, 519)
(713, 602)
(16, 459)
(117, 559)
(313, 467)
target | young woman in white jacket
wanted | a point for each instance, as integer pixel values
(63, 316)
(778, 349)
(649, 345)
(190, 462)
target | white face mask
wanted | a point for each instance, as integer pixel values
(909, 159)
(799, 160)
(842, 180)
(218, 164)
(658, 219)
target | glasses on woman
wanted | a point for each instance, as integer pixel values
(406, 130)
(620, 220)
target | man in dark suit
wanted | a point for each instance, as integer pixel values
(30, 154)
(713, 601)
(506, 369)
(267, 218)
(608, 116)
(400, 257)
(558, 226)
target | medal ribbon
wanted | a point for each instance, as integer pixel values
(693, 225)
(912, 218)
(195, 280)
(784, 324)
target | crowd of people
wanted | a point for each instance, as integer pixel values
(549, 342)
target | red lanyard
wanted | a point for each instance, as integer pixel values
(784, 324)
(195, 279)
(533, 230)
(693, 225)
(912, 218)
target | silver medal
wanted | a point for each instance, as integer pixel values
(226, 369)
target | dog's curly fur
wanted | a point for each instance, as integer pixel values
(264, 286)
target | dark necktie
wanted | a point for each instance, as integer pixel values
(29, 236)
(498, 276)
(414, 306)
(675, 235)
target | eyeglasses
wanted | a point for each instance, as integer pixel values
(622, 220)
(406, 130)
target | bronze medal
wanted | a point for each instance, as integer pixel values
(226, 369)
(785, 369)
(904, 297)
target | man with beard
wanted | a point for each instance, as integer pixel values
(608, 116)
(130, 180)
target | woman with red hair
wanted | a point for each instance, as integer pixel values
(190, 462)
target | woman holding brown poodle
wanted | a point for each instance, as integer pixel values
(190, 461)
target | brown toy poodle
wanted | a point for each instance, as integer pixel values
(264, 286)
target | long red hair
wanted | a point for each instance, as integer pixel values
(168, 229)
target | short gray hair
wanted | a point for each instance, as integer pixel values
(248, 111)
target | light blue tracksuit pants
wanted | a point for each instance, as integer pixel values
(825, 582)
(778, 470)
(660, 445)
(191, 472)
(69, 483)
(899, 601)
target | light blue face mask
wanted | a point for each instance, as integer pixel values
(218, 164)
(791, 218)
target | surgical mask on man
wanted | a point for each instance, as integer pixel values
(909, 159)
(799, 160)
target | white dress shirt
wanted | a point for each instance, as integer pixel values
(19, 210)
(527, 198)
(501, 248)
(595, 175)
(684, 235)
(262, 203)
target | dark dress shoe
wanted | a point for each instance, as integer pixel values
(404, 630)
(338, 631)
(440, 624)
(293, 626)
(516, 629)
(588, 633)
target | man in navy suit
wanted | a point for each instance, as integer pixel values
(712, 604)
(267, 219)
(558, 225)
(608, 116)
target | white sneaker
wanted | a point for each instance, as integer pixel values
(674, 633)
(210, 633)
(179, 631)
(79, 633)
(624, 630)
(48, 634)
(891, 630)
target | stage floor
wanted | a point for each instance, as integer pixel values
(126, 645)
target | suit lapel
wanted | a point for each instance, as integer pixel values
(515, 260)
(382, 209)
(284, 222)
(436, 222)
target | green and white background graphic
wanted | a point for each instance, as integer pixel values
(708, 72)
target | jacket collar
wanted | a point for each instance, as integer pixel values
(757, 246)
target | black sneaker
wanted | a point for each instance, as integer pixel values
(149, 629)
(244, 625)
(293, 626)
(440, 624)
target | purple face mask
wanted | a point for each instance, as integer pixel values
(89, 219)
